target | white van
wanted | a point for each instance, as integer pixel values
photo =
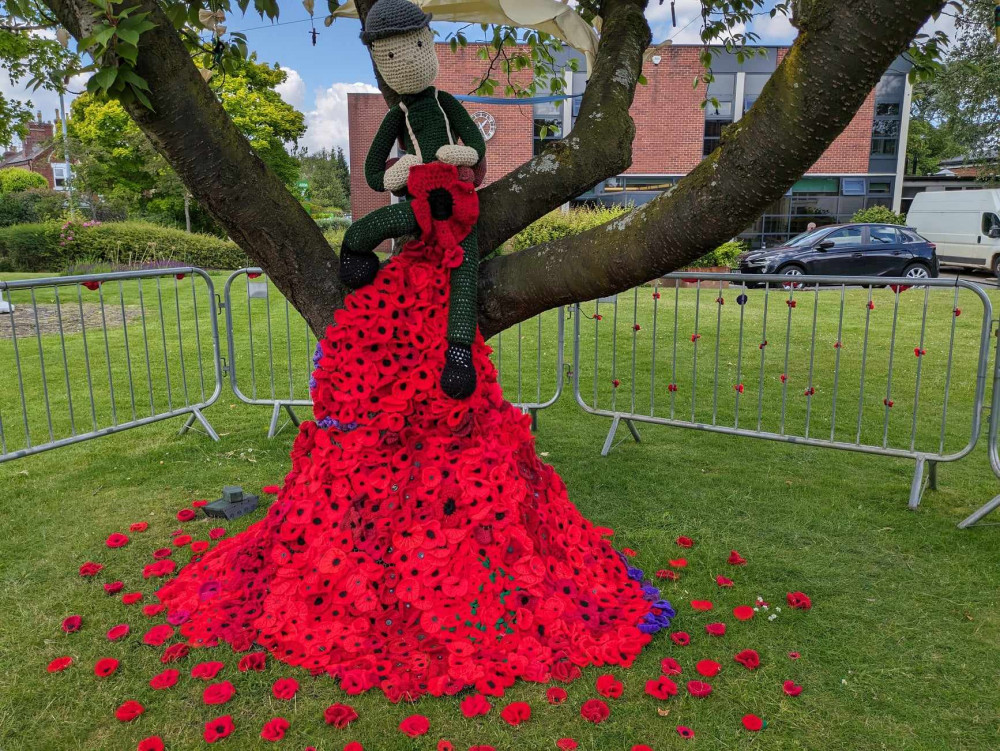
(963, 224)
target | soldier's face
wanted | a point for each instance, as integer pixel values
(407, 62)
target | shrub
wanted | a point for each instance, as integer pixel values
(878, 215)
(558, 224)
(725, 255)
(17, 179)
(52, 246)
(31, 206)
(333, 222)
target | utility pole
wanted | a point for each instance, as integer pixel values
(187, 210)
(69, 167)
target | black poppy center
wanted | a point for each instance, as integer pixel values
(441, 204)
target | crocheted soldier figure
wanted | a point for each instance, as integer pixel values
(426, 122)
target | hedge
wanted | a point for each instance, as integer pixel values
(52, 246)
(31, 206)
(878, 215)
(562, 224)
(16, 179)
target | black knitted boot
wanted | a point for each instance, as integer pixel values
(458, 379)
(357, 269)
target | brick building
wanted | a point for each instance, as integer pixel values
(863, 166)
(37, 154)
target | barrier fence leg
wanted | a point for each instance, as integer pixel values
(197, 415)
(614, 429)
(916, 487)
(979, 513)
(534, 420)
(932, 475)
(273, 430)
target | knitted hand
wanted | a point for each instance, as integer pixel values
(398, 174)
(458, 155)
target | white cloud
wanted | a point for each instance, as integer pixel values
(777, 30)
(326, 123)
(293, 90)
(688, 27)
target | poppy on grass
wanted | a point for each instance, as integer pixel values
(748, 658)
(218, 693)
(567, 744)
(799, 600)
(735, 559)
(715, 629)
(174, 653)
(556, 695)
(113, 588)
(130, 598)
(116, 540)
(665, 573)
(701, 605)
(444, 745)
(752, 722)
(71, 624)
(662, 688)
(708, 668)
(152, 609)
(793, 655)
(743, 612)
(129, 711)
(670, 666)
(59, 664)
(138, 527)
(791, 688)
(199, 546)
(723, 581)
(416, 725)
(219, 728)
(609, 686)
(181, 540)
(285, 688)
(216, 532)
(339, 715)
(118, 632)
(106, 666)
(91, 569)
(255, 661)
(166, 679)
(685, 542)
(185, 515)
(206, 671)
(161, 553)
(685, 732)
(152, 743)
(475, 705)
(699, 689)
(157, 635)
(516, 713)
(274, 729)
(641, 747)
(680, 638)
(677, 562)
(595, 711)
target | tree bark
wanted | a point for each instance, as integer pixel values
(840, 54)
(216, 163)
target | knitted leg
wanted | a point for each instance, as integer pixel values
(458, 380)
(358, 262)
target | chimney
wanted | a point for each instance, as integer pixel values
(38, 133)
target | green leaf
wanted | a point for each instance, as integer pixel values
(105, 77)
(129, 36)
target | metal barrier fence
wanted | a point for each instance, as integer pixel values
(101, 353)
(271, 347)
(872, 378)
(993, 444)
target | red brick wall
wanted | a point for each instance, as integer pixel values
(849, 152)
(669, 121)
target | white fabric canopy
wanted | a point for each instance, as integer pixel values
(549, 16)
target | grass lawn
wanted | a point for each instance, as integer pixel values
(898, 651)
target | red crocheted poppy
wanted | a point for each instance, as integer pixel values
(219, 728)
(437, 192)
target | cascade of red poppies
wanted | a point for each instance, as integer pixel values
(418, 544)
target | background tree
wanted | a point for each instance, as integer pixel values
(145, 55)
(328, 177)
(960, 107)
(17, 180)
(118, 162)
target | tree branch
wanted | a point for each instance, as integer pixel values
(188, 126)
(831, 68)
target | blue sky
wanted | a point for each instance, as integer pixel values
(320, 77)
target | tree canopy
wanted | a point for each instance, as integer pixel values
(17, 180)
(163, 60)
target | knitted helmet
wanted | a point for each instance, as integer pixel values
(391, 17)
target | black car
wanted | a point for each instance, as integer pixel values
(848, 250)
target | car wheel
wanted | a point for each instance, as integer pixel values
(917, 271)
(995, 266)
(795, 271)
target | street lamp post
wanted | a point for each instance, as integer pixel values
(69, 168)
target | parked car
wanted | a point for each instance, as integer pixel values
(964, 224)
(848, 249)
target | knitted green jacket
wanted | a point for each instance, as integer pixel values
(427, 119)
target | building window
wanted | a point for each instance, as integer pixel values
(614, 185)
(649, 183)
(852, 186)
(753, 85)
(885, 137)
(548, 124)
(879, 188)
(888, 110)
(718, 109)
